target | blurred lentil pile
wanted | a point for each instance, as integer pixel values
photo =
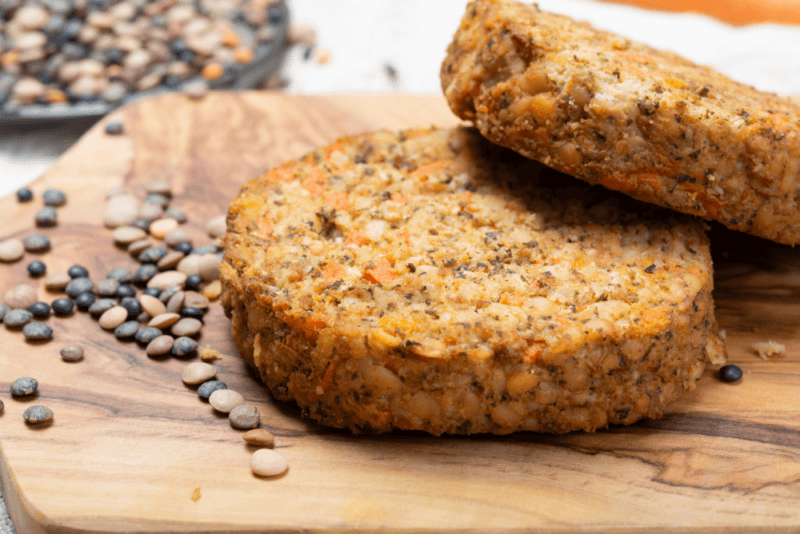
(62, 52)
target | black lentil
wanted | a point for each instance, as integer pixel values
(22, 387)
(144, 273)
(184, 346)
(54, 197)
(730, 373)
(78, 271)
(184, 247)
(126, 330)
(156, 198)
(191, 311)
(24, 194)
(152, 291)
(153, 254)
(144, 224)
(37, 415)
(85, 300)
(133, 306)
(176, 214)
(36, 243)
(100, 306)
(122, 275)
(207, 388)
(193, 282)
(37, 268)
(205, 249)
(46, 217)
(114, 128)
(37, 331)
(63, 306)
(79, 286)
(147, 334)
(125, 290)
(40, 309)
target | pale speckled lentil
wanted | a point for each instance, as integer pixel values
(54, 197)
(159, 186)
(225, 400)
(175, 302)
(125, 235)
(22, 387)
(184, 346)
(216, 226)
(4, 308)
(176, 236)
(137, 247)
(36, 243)
(209, 267)
(176, 214)
(244, 417)
(11, 250)
(194, 299)
(122, 275)
(170, 261)
(113, 317)
(147, 334)
(57, 281)
(156, 198)
(16, 318)
(126, 330)
(164, 320)
(37, 415)
(20, 296)
(72, 353)
(197, 373)
(152, 305)
(167, 294)
(189, 265)
(268, 463)
(107, 288)
(205, 249)
(186, 327)
(160, 346)
(46, 217)
(150, 212)
(167, 279)
(160, 227)
(101, 306)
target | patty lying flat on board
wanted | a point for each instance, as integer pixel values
(638, 120)
(431, 280)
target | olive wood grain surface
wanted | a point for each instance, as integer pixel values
(130, 442)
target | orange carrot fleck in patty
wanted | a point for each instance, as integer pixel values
(315, 181)
(332, 271)
(280, 174)
(356, 237)
(264, 226)
(428, 168)
(380, 272)
(337, 200)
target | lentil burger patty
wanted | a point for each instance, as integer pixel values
(612, 112)
(431, 280)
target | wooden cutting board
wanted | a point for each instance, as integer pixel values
(130, 443)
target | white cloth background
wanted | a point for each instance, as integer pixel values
(363, 35)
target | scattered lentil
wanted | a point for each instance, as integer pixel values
(160, 345)
(121, 210)
(152, 292)
(175, 302)
(54, 197)
(21, 296)
(122, 275)
(244, 417)
(193, 282)
(113, 317)
(159, 186)
(164, 320)
(137, 247)
(159, 200)
(216, 226)
(170, 261)
(36, 243)
(125, 290)
(205, 249)
(72, 353)
(152, 305)
(209, 267)
(225, 400)
(57, 282)
(168, 293)
(62, 306)
(24, 194)
(730, 373)
(85, 300)
(189, 265)
(36, 331)
(46, 217)
(190, 312)
(133, 306)
(144, 317)
(37, 415)
(176, 214)
(4, 309)
(150, 212)
(107, 288)
(213, 290)
(259, 437)
(167, 279)
(114, 128)
(197, 373)
(101, 306)
(186, 327)
(39, 309)
(153, 254)
(210, 386)
(11, 250)
(142, 224)
(184, 346)
(160, 227)
(125, 235)
(17, 318)
(22, 387)
(79, 286)
(268, 463)
(126, 330)
(183, 246)
(147, 334)
(37, 268)
(78, 271)
(144, 274)
(176, 236)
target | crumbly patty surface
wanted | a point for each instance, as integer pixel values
(431, 280)
(629, 117)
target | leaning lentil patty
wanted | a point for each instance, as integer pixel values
(642, 121)
(431, 280)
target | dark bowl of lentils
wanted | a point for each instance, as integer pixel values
(67, 59)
